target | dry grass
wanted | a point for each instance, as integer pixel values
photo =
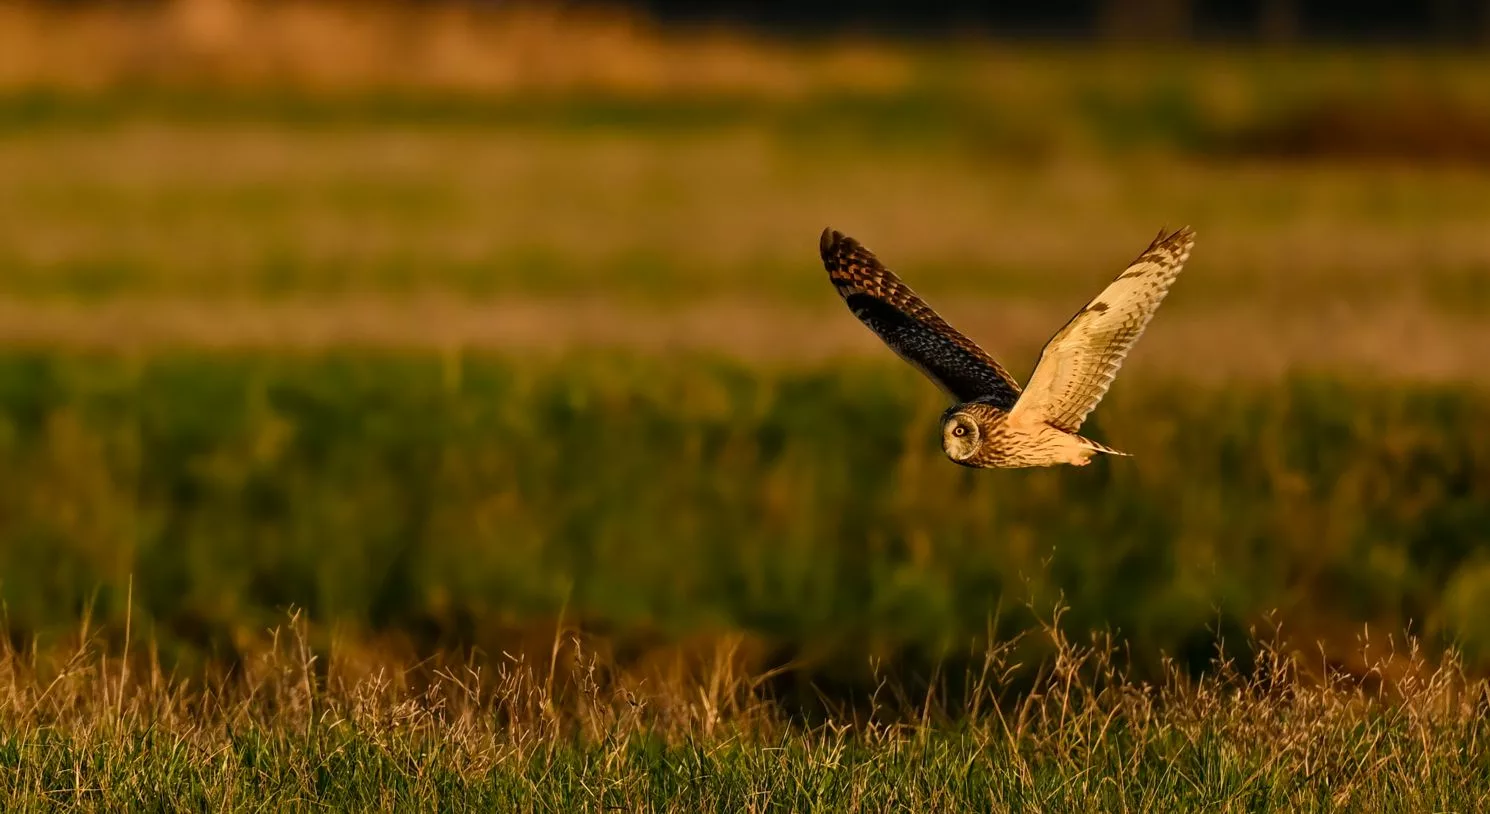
(452, 46)
(262, 236)
(540, 46)
(301, 726)
(1401, 342)
(245, 209)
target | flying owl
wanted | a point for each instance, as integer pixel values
(994, 423)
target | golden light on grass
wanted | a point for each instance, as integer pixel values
(328, 45)
(443, 320)
(296, 722)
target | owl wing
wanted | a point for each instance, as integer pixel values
(908, 325)
(1079, 363)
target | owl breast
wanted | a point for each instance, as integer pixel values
(1016, 444)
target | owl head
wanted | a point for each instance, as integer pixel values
(966, 428)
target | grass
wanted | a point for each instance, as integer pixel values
(169, 210)
(289, 155)
(296, 728)
(495, 343)
(451, 501)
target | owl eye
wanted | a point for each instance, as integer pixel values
(959, 430)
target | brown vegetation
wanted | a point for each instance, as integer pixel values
(329, 45)
(1403, 342)
(1414, 130)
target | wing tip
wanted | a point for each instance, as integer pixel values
(830, 242)
(1183, 236)
(1176, 244)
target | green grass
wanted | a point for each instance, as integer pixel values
(816, 771)
(294, 728)
(464, 500)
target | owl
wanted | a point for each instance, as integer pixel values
(993, 422)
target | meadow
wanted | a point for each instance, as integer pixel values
(302, 728)
(460, 501)
(477, 427)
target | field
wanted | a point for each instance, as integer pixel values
(297, 728)
(477, 428)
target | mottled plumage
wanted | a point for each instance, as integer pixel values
(909, 326)
(994, 423)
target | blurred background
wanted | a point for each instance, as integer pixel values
(457, 323)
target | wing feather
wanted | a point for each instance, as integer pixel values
(908, 325)
(1079, 363)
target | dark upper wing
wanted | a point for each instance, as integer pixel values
(909, 326)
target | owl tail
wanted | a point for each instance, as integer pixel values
(1103, 448)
